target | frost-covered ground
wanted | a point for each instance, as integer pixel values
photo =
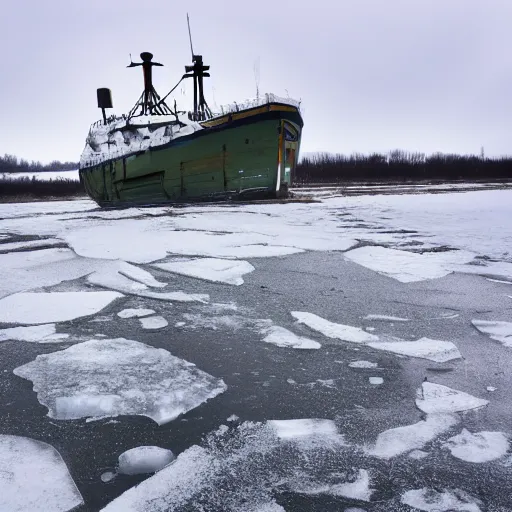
(42, 176)
(348, 354)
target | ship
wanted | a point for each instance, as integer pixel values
(159, 154)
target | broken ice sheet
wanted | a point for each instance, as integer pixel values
(203, 477)
(33, 477)
(436, 398)
(396, 441)
(333, 330)
(144, 459)
(385, 318)
(425, 348)
(359, 489)
(499, 331)
(40, 308)
(210, 269)
(153, 322)
(430, 500)
(284, 338)
(135, 313)
(101, 378)
(45, 333)
(408, 267)
(478, 447)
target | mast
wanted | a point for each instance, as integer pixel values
(197, 71)
(149, 101)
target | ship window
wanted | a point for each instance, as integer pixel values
(290, 133)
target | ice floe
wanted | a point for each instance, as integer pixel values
(430, 500)
(153, 322)
(359, 489)
(396, 441)
(29, 244)
(210, 269)
(135, 313)
(499, 331)
(101, 378)
(44, 333)
(284, 338)
(478, 447)
(385, 318)
(417, 454)
(39, 308)
(362, 364)
(276, 455)
(33, 477)
(376, 381)
(425, 348)
(436, 398)
(144, 459)
(408, 267)
(107, 476)
(333, 330)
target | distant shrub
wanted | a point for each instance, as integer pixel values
(399, 166)
(26, 187)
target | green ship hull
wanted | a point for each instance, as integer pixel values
(247, 154)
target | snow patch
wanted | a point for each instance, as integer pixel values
(478, 447)
(436, 398)
(210, 269)
(144, 459)
(100, 378)
(33, 477)
(39, 308)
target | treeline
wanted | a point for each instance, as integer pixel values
(30, 189)
(400, 166)
(11, 163)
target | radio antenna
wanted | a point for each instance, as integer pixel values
(190, 38)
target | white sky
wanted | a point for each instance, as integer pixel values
(373, 75)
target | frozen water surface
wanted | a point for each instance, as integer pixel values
(135, 313)
(362, 364)
(436, 398)
(396, 441)
(408, 267)
(39, 308)
(45, 333)
(499, 331)
(333, 330)
(33, 477)
(478, 447)
(210, 269)
(100, 378)
(144, 459)
(153, 322)
(431, 500)
(385, 318)
(284, 338)
(425, 348)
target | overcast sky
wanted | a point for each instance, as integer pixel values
(373, 75)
